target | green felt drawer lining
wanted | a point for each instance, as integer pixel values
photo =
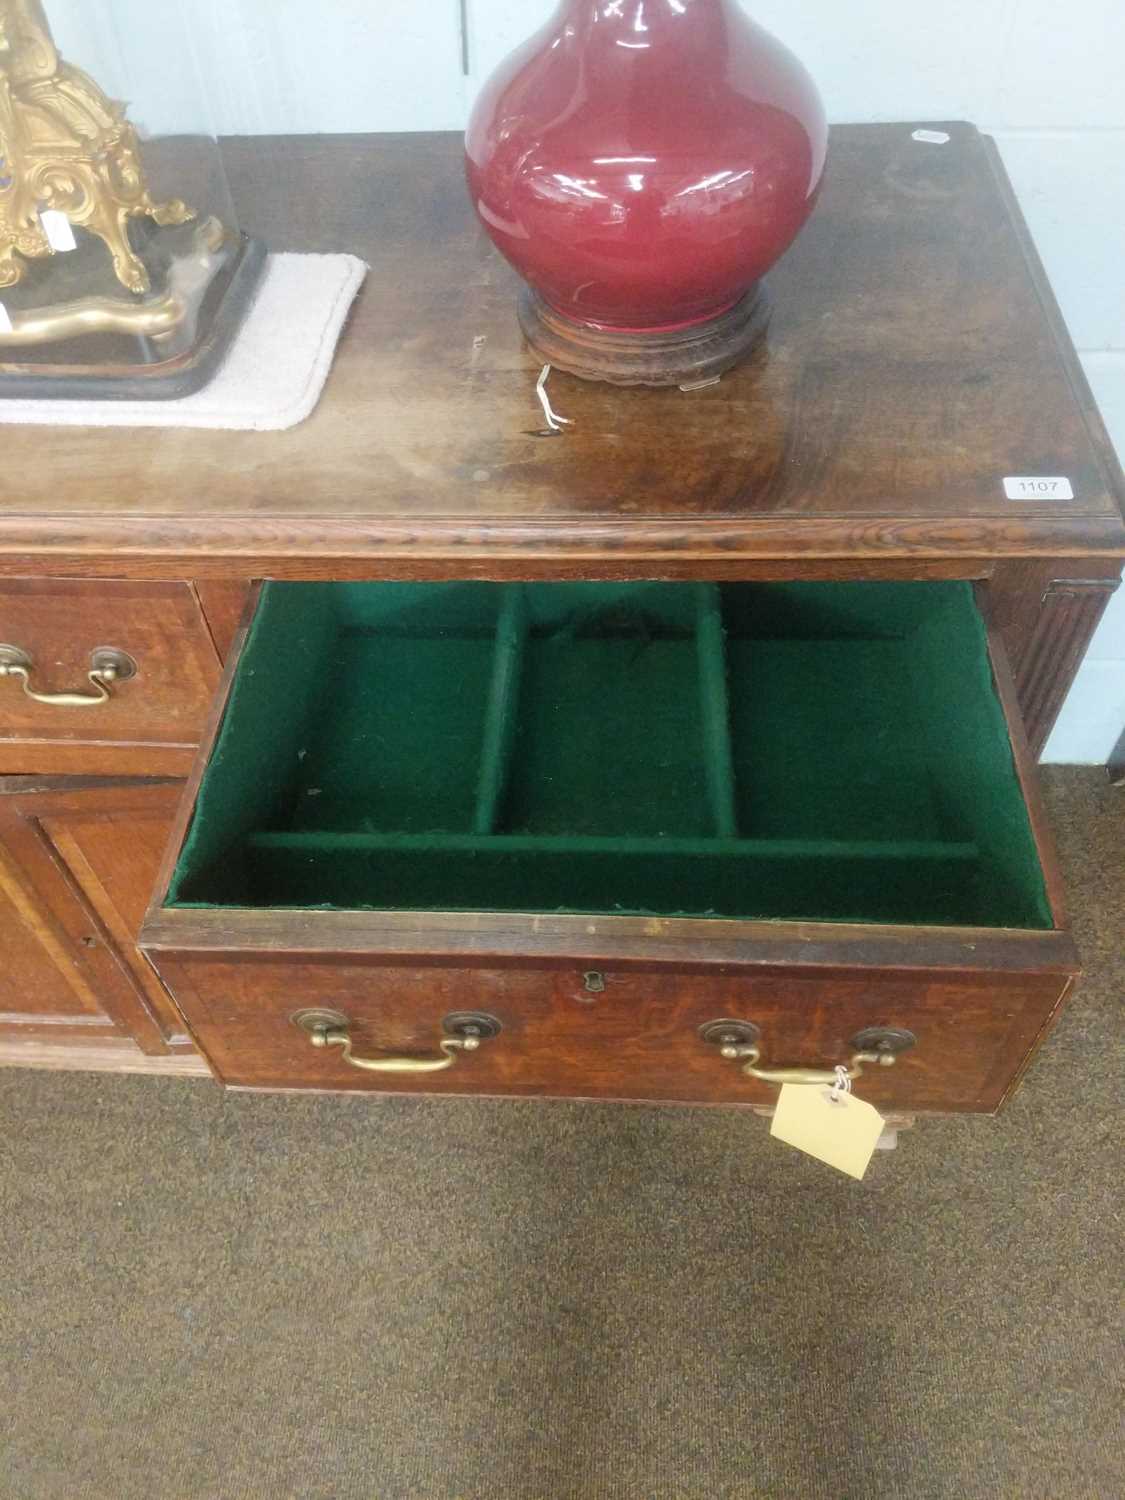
(502, 712)
(325, 869)
(714, 702)
(812, 751)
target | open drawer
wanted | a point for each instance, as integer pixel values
(574, 824)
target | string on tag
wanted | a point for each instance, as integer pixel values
(842, 1086)
(554, 421)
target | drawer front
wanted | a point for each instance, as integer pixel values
(53, 626)
(610, 1035)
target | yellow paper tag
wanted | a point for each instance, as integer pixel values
(841, 1132)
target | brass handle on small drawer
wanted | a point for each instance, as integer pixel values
(738, 1040)
(107, 665)
(465, 1032)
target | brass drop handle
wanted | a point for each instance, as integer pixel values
(107, 665)
(465, 1031)
(877, 1046)
(803, 1075)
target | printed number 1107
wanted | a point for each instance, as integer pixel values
(1038, 489)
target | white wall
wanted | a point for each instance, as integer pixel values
(1044, 78)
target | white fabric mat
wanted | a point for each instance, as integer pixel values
(273, 374)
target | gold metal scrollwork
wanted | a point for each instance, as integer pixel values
(65, 145)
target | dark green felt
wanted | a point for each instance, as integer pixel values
(714, 707)
(872, 882)
(502, 710)
(831, 741)
(816, 751)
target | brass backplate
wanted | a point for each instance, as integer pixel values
(728, 1033)
(15, 656)
(889, 1040)
(315, 1018)
(112, 659)
(471, 1023)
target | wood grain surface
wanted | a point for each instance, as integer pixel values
(638, 1038)
(156, 716)
(916, 359)
(78, 858)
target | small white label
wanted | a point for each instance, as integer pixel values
(5, 320)
(57, 228)
(932, 137)
(1034, 487)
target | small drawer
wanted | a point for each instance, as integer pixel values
(800, 806)
(59, 704)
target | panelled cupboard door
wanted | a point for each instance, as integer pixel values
(78, 859)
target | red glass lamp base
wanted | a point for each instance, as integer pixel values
(678, 356)
(642, 164)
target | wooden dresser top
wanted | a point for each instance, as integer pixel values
(915, 360)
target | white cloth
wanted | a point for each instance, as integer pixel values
(273, 373)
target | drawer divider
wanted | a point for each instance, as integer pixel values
(848, 880)
(332, 841)
(714, 704)
(502, 712)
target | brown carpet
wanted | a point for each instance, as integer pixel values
(227, 1297)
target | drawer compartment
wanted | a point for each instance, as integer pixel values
(149, 721)
(503, 786)
(813, 752)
